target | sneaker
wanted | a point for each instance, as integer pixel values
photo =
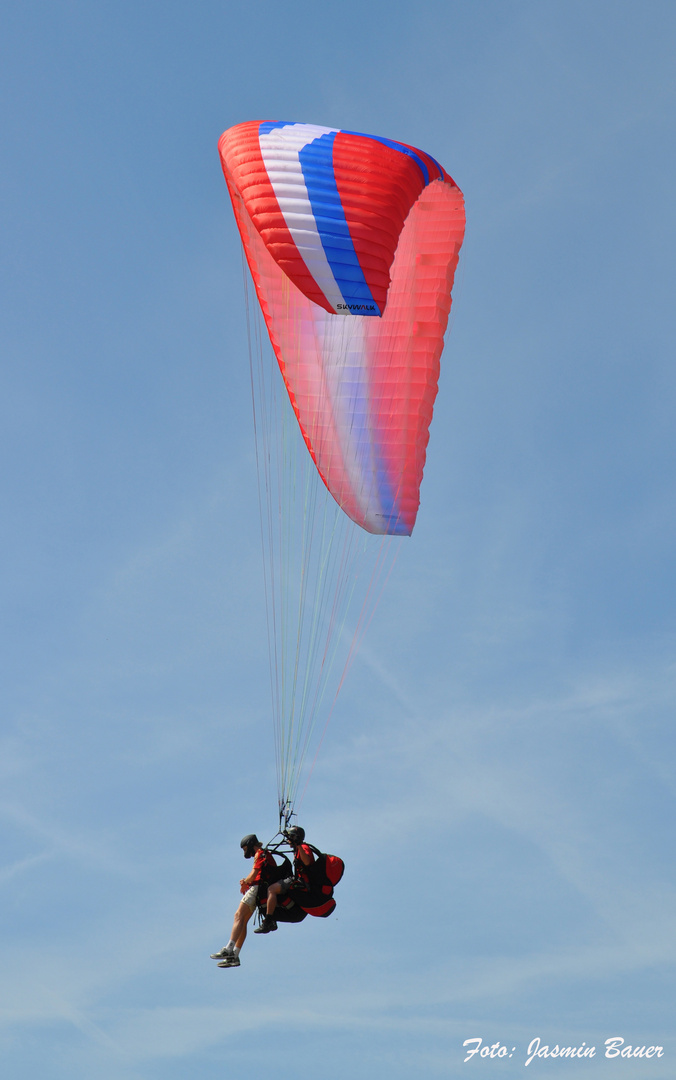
(222, 953)
(232, 961)
(267, 926)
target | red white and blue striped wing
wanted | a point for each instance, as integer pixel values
(337, 223)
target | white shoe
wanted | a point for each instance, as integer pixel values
(232, 961)
(223, 953)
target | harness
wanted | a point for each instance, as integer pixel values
(314, 893)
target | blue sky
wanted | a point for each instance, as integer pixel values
(499, 773)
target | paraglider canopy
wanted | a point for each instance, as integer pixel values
(336, 223)
(329, 205)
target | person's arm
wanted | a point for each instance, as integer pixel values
(254, 877)
(306, 856)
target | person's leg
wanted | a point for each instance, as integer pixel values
(278, 888)
(242, 916)
(230, 952)
(273, 893)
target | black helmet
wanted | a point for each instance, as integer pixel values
(249, 843)
(295, 835)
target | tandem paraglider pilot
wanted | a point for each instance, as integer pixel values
(228, 956)
(300, 881)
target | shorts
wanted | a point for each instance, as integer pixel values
(250, 897)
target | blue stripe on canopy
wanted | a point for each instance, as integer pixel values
(316, 162)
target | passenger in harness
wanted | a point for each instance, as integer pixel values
(300, 883)
(262, 872)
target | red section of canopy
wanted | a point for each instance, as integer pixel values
(241, 157)
(377, 187)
